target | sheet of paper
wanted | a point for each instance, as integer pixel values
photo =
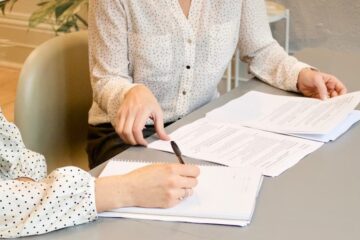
(235, 146)
(350, 120)
(286, 114)
(223, 196)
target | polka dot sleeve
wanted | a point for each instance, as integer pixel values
(15, 160)
(64, 198)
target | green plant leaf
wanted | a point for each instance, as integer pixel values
(60, 9)
(5, 3)
(2, 7)
(62, 15)
(67, 26)
(42, 14)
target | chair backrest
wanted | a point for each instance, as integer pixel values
(53, 99)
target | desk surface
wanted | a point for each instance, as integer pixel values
(319, 198)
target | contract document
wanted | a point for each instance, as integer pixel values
(223, 196)
(236, 146)
(289, 115)
(334, 134)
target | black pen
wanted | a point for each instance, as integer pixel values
(177, 151)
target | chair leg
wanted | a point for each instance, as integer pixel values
(237, 68)
(228, 77)
(287, 30)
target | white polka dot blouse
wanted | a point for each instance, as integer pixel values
(64, 198)
(180, 59)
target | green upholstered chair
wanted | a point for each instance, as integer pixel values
(53, 99)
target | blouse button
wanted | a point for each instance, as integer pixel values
(184, 92)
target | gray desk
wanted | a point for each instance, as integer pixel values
(319, 198)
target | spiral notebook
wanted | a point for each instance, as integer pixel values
(224, 195)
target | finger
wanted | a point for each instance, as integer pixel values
(340, 87)
(321, 87)
(179, 194)
(187, 170)
(187, 192)
(171, 198)
(185, 182)
(127, 131)
(159, 125)
(138, 126)
(331, 86)
(333, 94)
(342, 91)
(183, 193)
(121, 116)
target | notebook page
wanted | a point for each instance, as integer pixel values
(222, 193)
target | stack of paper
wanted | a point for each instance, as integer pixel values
(339, 130)
(223, 196)
(245, 131)
(306, 117)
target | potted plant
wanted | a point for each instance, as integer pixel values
(63, 15)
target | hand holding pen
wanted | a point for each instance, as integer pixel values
(187, 191)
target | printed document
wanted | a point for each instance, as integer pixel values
(235, 146)
(284, 114)
(334, 134)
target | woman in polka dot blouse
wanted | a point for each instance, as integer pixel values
(32, 203)
(155, 61)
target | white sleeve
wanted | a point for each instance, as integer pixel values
(267, 59)
(108, 55)
(65, 198)
(15, 160)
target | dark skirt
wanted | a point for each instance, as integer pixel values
(104, 143)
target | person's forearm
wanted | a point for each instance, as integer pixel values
(65, 198)
(111, 192)
(275, 67)
(154, 186)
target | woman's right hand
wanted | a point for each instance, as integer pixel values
(138, 106)
(156, 185)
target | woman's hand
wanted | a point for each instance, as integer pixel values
(156, 185)
(319, 85)
(139, 105)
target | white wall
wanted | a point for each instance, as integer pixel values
(333, 24)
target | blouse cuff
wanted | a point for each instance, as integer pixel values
(117, 99)
(295, 75)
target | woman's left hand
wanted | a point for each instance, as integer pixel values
(319, 85)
